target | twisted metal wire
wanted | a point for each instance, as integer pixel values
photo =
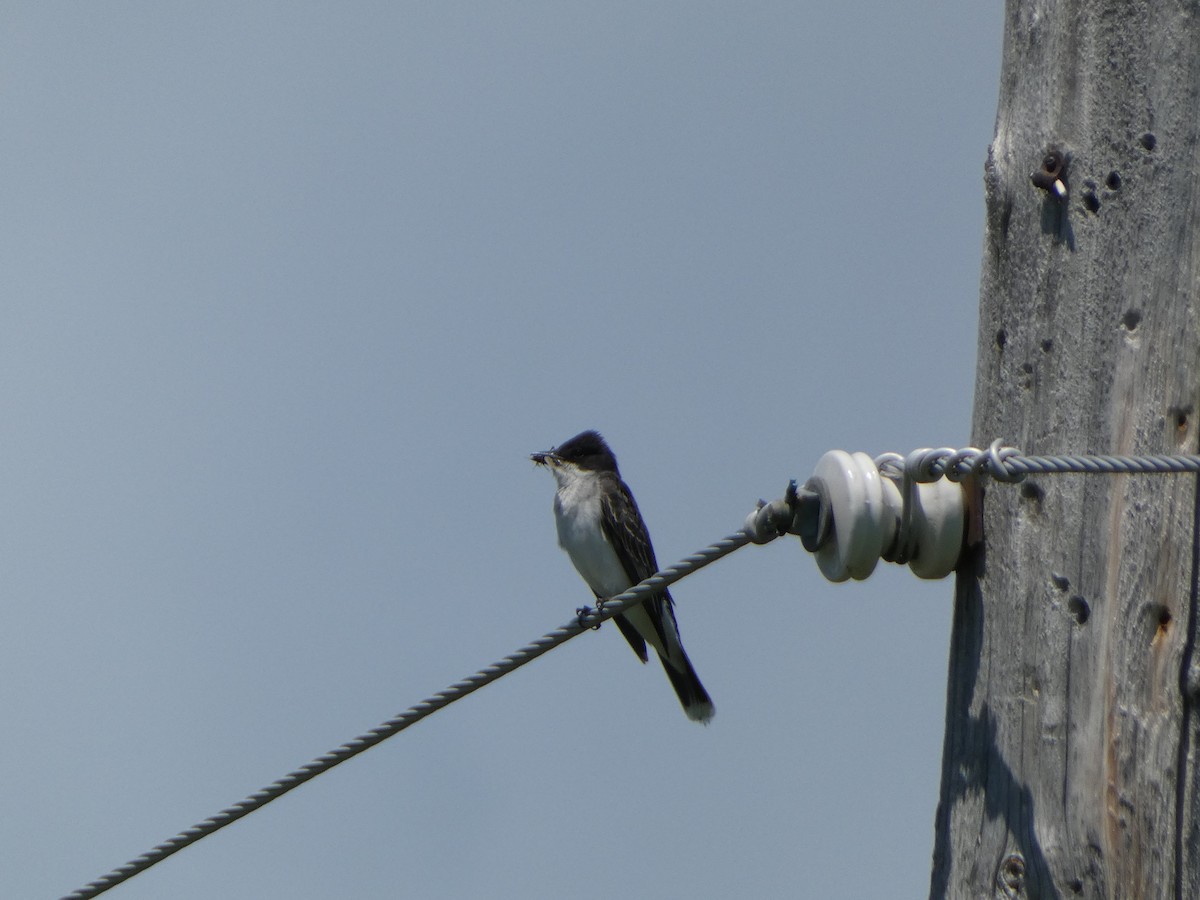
(587, 619)
(1010, 465)
(1104, 465)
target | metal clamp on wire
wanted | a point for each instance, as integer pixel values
(797, 512)
(891, 510)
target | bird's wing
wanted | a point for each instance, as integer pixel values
(626, 531)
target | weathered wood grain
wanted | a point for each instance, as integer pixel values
(1071, 750)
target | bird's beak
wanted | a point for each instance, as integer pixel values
(544, 457)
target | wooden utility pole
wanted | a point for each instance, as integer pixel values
(1072, 752)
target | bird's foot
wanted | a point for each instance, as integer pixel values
(582, 613)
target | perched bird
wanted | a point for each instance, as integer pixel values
(600, 528)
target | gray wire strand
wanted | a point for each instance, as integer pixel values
(1010, 465)
(531, 651)
(1103, 465)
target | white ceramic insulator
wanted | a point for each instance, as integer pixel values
(937, 523)
(868, 512)
(853, 487)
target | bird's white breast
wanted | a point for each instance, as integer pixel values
(577, 514)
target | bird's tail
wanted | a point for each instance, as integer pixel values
(696, 703)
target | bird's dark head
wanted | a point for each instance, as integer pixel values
(584, 451)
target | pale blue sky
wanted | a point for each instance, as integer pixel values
(291, 290)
